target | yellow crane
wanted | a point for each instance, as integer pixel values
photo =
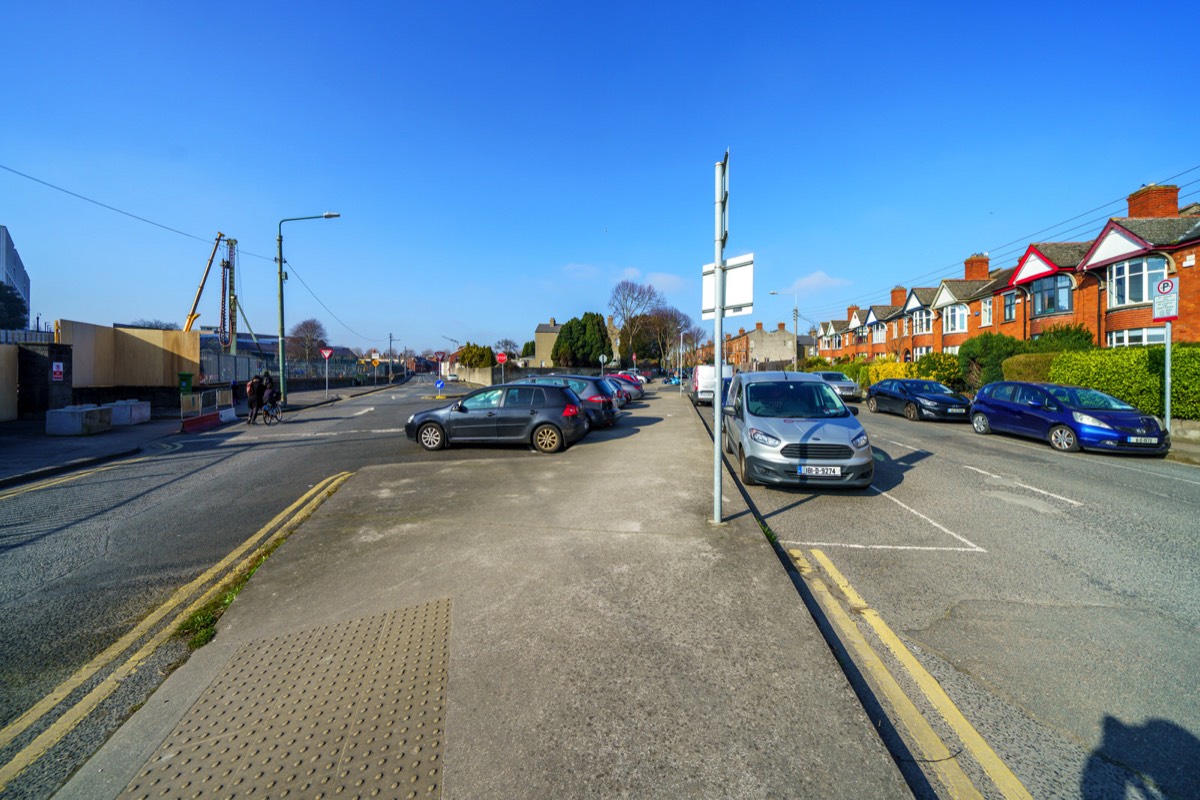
(192, 315)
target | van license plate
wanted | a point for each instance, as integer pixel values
(829, 472)
(1143, 440)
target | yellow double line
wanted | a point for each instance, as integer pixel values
(910, 722)
(283, 524)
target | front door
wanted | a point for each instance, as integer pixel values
(475, 417)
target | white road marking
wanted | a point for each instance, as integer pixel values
(902, 444)
(939, 526)
(1025, 486)
(364, 411)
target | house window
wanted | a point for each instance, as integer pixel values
(1137, 337)
(837, 341)
(906, 326)
(920, 351)
(1010, 306)
(954, 319)
(879, 333)
(952, 350)
(985, 312)
(1052, 295)
(922, 321)
(1131, 282)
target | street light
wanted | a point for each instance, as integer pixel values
(279, 258)
(795, 324)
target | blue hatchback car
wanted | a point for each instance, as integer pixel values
(1070, 418)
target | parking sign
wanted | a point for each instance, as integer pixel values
(1166, 300)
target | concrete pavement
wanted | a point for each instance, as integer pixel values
(517, 626)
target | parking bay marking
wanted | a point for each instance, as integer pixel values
(1025, 486)
(971, 547)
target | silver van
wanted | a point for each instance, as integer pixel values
(791, 428)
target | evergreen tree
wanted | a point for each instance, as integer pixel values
(14, 314)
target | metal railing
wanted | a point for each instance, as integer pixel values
(209, 401)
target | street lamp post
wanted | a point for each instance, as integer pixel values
(279, 258)
(795, 325)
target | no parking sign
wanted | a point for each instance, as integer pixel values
(1166, 300)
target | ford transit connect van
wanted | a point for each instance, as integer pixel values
(703, 384)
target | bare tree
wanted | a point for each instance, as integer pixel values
(629, 303)
(507, 346)
(305, 340)
(663, 326)
(157, 324)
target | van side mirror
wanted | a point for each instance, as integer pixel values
(727, 410)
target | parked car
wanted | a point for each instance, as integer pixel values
(452, 377)
(704, 382)
(846, 388)
(547, 417)
(629, 384)
(792, 428)
(1070, 418)
(918, 399)
(597, 399)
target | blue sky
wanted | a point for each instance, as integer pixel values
(498, 164)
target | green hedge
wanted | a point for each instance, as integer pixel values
(1135, 375)
(1029, 367)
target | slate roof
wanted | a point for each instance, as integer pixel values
(1161, 231)
(884, 313)
(840, 325)
(1064, 254)
(925, 296)
(964, 290)
(546, 327)
(1000, 279)
(1192, 210)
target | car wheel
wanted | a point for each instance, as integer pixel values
(1064, 439)
(725, 443)
(980, 423)
(547, 439)
(872, 406)
(911, 413)
(431, 436)
(744, 472)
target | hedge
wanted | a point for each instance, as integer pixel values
(1028, 367)
(1135, 375)
(882, 370)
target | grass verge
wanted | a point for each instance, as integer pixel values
(201, 627)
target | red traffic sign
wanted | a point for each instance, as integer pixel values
(326, 352)
(501, 358)
(440, 355)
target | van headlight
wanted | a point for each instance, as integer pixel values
(1090, 421)
(764, 438)
(861, 441)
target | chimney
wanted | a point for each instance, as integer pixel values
(783, 326)
(899, 295)
(976, 267)
(741, 331)
(552, 321)
(850, 312)
(1154, 201)
(758, 326)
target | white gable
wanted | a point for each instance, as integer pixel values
(1116, 244)
(871, 318)
(1033, 267)
(944, 297)
(855, 321)
(912, 304)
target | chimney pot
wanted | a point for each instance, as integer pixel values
(758, 326)
(1154, 201)
(783, 326)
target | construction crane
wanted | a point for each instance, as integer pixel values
(192, 315)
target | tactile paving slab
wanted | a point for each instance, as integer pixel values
(351, 710)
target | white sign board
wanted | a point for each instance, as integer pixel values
(739, 287)
(1166, 300)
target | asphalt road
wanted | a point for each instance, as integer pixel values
(86, 559)
(1054, 596)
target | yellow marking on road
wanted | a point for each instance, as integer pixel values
(49, 483)
(918, 734)
(1008, 783)
(293, 515)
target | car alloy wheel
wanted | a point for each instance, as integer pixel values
(910, 412)
(1063, 439)
(871, 405)
(547, 439)
(431, 437)
(744, 471)
(980, 423)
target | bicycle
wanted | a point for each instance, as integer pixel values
(272, 413)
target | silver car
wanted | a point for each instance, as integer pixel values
(841, 383)
(791, 428)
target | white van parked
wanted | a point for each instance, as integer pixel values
(703, 384)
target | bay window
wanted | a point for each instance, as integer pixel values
(1131, 282)
(1052, 295)
(954, 319)
(922, 322)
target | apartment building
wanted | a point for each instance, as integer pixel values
(1106, 284)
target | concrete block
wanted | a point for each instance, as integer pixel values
(129, 412)
(78, 420)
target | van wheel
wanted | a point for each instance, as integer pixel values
(1063, 439)
(744, 472)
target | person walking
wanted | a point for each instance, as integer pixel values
(254, 395)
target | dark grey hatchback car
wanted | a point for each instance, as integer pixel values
(547, 417)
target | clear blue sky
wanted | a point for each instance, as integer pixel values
(498, 164)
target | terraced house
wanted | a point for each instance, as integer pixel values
(1107, 285)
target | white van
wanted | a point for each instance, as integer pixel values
(703, 384)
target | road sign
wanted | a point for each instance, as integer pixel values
(441, 384)
(1166, 300)
(501, 358)
(326, 352)
(440, 355)
(739, 287)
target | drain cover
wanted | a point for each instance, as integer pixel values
(351, 710)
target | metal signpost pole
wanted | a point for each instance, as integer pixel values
(721, 232)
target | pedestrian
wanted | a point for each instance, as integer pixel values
(268, 390)
(253, 398)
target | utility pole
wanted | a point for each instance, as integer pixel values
(390, 357)
(721, 234)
